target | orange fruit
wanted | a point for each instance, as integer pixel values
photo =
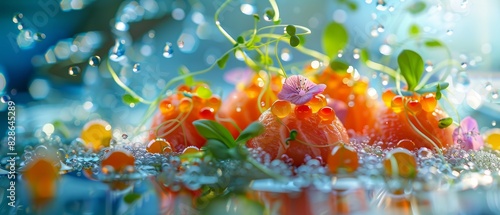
(392, 128)
(242, 105)
(353, 93)
(174, 120)
(315, 137)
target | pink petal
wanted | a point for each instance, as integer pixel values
(317, 89)
(287, 92)
(468, 124)
(302, 99)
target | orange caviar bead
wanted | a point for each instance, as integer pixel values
(41, 176)
(401, 163)
(96, 134)
(159, 145)
(185, 105)
(183, 88)
(190, 150)
(253, 90)
(207, 113)
(327, 114)
(343, 159)
(120, 160)
(414, 106)
(397, 104)
(387, 96)
(214, 102)
(317, 102)
(493, 138)
(303, 111)
(281, 108)
(166, 107)
(428, 102)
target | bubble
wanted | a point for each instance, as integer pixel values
(493, 123)
(94, 61)
(391, 9)
(355, 54)
(180, 44)
(381, 5)
(39, 36)
(429, 66)
(124, 136)
(374, 32)
(340, 53)
(18, 17)
(380, 28)
(286, 55)
(385, 49)
(5, 99)
(74, 70)
(385, 79)
(178, 14)
(449, 32)
(464, 65)
(488, 86)
(118, 51)
(136, 68)
(368, 1)
(247, 9)
(494, 94)
(41, 151)
(168, 51)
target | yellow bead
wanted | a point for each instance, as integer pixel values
(185, 105)
(400, 162)
(493, 138)
(281, 108)
(96, 134)
(317, 102)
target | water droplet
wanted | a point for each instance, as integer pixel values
(5, 98)
(286, 55)
(340, 53)
(94, 61)
(464, 65)
(385, 79)
(39, 36)
(462, 81)
(391, 9)
(247, 9)
(118, 51)
(368, 1)
(464, 3)
(488, 86)
(124, 136)
(266, 15)
(180, 44)
(380, 28)
(494, 94)
(429, 66)
(355, 54)
(381, 5)
(385, 49)
(374, 32)
(74, 70)
(136, 68)
(168, 51)
(18, 17)
(493, 123)
(449, 32)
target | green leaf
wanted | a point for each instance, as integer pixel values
(302, 39)
(222, 62)
(189, 80)
(251, 131)
(352, 5)
(335, 38)
(414, 30)
(294, 41)
(218, 149)
(339, 66)
(256, 17)
(131, 197)
(416, 7)
(411, 66)
(130, 100)
(293, 134)
(213, 130)
(266, 60)
(240, 40)
(290, 30)
(445, 122)
(433, 43)
(433, 87)
(203, 92)
(364, 55)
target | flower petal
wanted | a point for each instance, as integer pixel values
(468, 124)
(317, 89)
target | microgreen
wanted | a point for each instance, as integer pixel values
(129, 99)
(203, 92)
(222, 61)
(335, 38)
(417, 7)
(433, 43)
(339, 66)
(445, 122)
(411, 67)
(188, 80)
(414, 30)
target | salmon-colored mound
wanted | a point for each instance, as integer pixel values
(319, 137)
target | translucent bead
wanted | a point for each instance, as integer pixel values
(397, 104)
(166, 107)
(343, 159)
(428, 102)
(400, 162)
(317, 102)
(387, 96)
(326, 114)
(214, 102)
(159, 145)
(207, 113)
(185, 105)
(281, 108)
(96, 134)
(414, 106)
(303, 111)
(119, 160)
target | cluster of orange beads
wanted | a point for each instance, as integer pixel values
(317, 127)
(242, 106)
(411, 122)
(173, 123)
(414, 104)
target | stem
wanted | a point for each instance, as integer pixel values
(278, 57)
(425, 79)
(124, 86)
(310, 52)
(264, 169)
(380, 67)
(276, 10)
(217, 22)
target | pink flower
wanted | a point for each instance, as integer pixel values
(467, 134)
(299, 90)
